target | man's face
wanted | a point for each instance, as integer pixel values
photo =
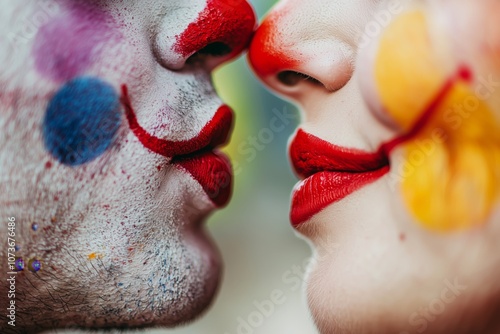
(108, 126)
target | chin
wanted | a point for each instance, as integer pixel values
(165, 267)
(376, 271)
(142, 263)
(337, 309)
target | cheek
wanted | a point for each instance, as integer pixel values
(475, 28)
(406, 73)
(68, 45)
(81, 121)
(82, 118)
(450, 137)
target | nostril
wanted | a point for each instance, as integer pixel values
(219, 33)
(215, 50)
(292, 78)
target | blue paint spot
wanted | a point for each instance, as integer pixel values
(81, 120)
(17, 247)
(120, 284)
(34, 227)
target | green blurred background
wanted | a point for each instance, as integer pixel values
(262, 255)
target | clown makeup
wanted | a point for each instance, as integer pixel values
(109, 136)
(399, 153)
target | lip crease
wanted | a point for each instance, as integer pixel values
(329, 173)
(196, 156)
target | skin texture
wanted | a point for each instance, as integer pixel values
(119, 228)
(378, 267)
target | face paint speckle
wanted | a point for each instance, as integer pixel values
(19, 263)
(34, 227)
(34, 265)
(81, 121)
(17, 248)
(93, 256)
(68, 45)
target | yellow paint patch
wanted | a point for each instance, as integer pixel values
(455, 182)
(93, 256)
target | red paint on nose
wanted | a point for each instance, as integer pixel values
(231, 22)
(266, 54)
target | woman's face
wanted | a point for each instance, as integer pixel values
(109, 129)
(398, 154)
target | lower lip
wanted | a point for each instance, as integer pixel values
(322, 189)
(214, 173)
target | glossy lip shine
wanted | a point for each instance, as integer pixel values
(330, 174)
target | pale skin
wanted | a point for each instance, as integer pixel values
(120, 237)
(376, 269)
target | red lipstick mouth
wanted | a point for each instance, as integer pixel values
(329, 173)
(197, 156)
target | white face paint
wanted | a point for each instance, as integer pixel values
(120, 233)
(375, 270)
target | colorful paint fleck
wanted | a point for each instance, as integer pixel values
(34, 265)
(19, 263)
(81, 121)
(34, 227)
(93, 256)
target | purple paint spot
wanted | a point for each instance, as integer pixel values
(19, 264)
(70, 44)
(34, 265)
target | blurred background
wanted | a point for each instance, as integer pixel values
(262, 290)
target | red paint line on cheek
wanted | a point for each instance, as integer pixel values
(215, 133)
(463, 73)
(232, 24)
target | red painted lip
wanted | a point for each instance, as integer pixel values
(196, 156)
(329, 172)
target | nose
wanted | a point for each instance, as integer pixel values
(291, 55)
(217, 34)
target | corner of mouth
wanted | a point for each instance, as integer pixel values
(197, 156)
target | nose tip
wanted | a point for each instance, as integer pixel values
(289, 60)
(219, 34)
(267, 55)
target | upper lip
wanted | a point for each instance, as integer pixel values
(215, 133)
(310, 154)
